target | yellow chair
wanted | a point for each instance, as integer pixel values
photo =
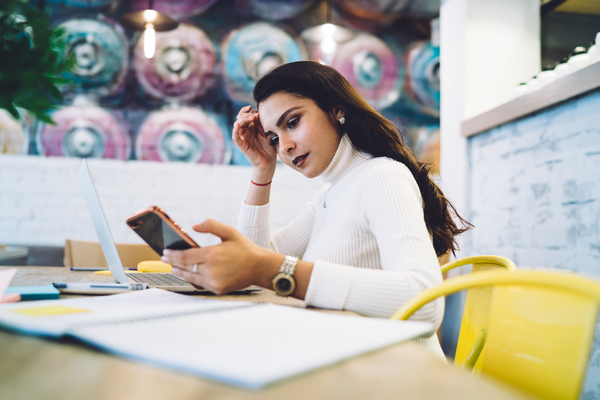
(471, 338)
(540, 328)
(481, 263)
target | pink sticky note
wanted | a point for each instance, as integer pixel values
(5, 278)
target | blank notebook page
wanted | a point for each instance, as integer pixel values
(251, 346)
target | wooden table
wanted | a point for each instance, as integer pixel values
(34, 368)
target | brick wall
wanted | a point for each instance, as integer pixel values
(535, 188)
(41, 203)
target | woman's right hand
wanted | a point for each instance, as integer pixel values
(249, 137)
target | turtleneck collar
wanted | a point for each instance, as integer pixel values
(345, 159)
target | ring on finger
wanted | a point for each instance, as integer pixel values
(195, 268)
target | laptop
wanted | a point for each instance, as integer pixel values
(159, 280)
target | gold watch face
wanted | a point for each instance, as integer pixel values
(284, 284)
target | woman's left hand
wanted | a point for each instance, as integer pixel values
(234, 264)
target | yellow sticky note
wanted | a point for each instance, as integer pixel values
(107, 272)
(154, 266)
(48, 311)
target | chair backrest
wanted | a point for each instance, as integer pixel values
(540, 328)
(469, 349)
(89, 254)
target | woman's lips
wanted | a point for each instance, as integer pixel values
(298, 161)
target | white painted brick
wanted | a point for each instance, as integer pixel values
(8, 200)
(539, 202)
(53, 210)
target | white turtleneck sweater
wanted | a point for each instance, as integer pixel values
(366, 236)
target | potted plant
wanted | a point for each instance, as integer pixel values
(32, 61)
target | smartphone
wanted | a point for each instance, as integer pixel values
(159, 230)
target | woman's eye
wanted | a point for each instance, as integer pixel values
(292, 122)
(273, 140)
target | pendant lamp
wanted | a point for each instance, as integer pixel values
(150, 21)
(328, 35)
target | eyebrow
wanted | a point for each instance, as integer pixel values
(282, 117)
(285, 114)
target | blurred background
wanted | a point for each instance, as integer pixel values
(179, 105)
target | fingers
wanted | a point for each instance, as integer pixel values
(225, 232)
(246, 117)
(184, 258)
(203, 279)
(257, 124)
(243, 110)
(193, 278)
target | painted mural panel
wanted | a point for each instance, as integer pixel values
(203, 72)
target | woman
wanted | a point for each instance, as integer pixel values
(367, 242)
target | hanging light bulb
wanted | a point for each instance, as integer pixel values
(328, 44)
(327, 35)
(149, 40)
(149, 34)
(151, 21)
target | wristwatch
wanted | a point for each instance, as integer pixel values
(284, 283)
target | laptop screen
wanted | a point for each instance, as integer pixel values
(100, 223)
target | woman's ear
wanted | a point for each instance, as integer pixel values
(339, 112)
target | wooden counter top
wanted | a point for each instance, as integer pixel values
(34, 368)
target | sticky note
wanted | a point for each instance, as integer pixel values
(49, 311)
(154, 266)
(107, 272)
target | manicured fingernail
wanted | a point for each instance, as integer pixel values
(175, 270)
(166, 252)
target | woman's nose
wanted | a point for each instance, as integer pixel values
(287, 145)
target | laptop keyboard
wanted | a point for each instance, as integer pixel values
(158, 279)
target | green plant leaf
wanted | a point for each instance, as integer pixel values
(32, 61)
(51, 88)
(45, 118)
(13, 111)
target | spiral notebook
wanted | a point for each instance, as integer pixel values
(251, 345)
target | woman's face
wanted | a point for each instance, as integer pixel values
(305, 136)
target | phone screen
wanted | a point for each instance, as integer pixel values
(157, 233)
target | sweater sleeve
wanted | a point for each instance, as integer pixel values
(292, 239)
(391, 210)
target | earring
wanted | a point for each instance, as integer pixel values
(342, 120)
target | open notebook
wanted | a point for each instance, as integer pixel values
(251, 345)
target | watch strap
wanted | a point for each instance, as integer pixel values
(284, 283)
(289, 265)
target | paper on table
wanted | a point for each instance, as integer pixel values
(138, 304)
(250, 347)
(5, 278)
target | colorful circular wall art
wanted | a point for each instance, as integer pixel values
(84, 130)
(251, 52)
(370, 66)
(83, 3)
(101, 55)
(373, 15)
(274, 10)
(183, 66)
(184, 134)
(370, 15)
(422, 62)
(175, 8)
(425, 142)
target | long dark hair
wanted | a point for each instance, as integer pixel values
(369, 132)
